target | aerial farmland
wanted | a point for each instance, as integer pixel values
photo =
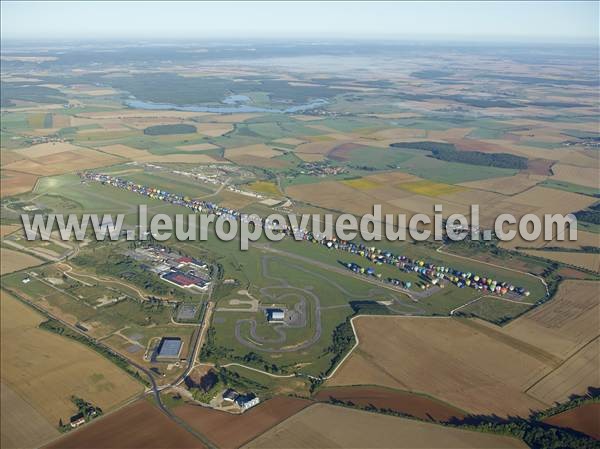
(416, 330)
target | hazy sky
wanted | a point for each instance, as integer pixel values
(525, 21)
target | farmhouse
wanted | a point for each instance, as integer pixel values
(77, 420)
(247, 401)
(169, 348)
(275, 315)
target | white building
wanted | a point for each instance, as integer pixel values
(247, 401)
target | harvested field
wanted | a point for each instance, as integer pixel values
(14, 183)
(584, 176)
(319, 147)
(544, 200)
(258, 150)
(145, 156)
(137, 426)
(197, 147)
(290, 141)
(213, 129)
(7, 156)
(61, 121)
(400, 401)
(22, 427)
(574, 376)
(63, 162)
(564, 324)
(458, 361)
(233, 118)
(33, 373)
(125, 151)
(46, 149)
(332, 194)
(584, 419)
(183, 159)
(343, 194)
(509, 185)
(328, 426)
(141, 113)
(8, 229)
(589, 261)
(255, 161)
(344, 151)
(235, 200)
(400, 134)
(584, 238)
(231, 431)
(16, 260)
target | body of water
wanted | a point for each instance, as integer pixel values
(233, 106)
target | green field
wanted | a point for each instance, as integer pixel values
(570, 187)
(495, 310)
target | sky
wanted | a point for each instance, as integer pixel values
(466, 21)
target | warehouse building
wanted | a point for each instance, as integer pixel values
(275, 315)
(168, 349)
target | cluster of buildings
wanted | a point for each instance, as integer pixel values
(182, 271)
(374, 255)
(243, 401)
(321, 169)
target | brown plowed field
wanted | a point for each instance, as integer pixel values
(398, 401)
(584, 419)
(140, 425)
(227, 430)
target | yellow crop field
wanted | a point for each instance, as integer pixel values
(32, 370)
(429, 188)
(264, 187)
